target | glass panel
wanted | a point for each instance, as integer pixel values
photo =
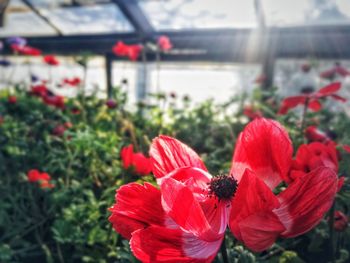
(306, 12)
(21, 21)
(102, 18)
(204, 81)
(189, 14)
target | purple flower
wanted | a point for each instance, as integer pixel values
(5, 63)
(20, 41)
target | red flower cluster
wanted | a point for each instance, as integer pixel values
(164, 43)
(311, 156)
(140, 163)
(312, 99)
(25, 50)
(252, 113)
(74, 82)
(12, 99)
(313, 134)
(340, 221)
(48, 97)
(186, 219)
(130, 51)
(51, 60)
(42, 178)
(333, 72)
(60, 129)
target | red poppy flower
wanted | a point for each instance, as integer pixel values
(75, 111)
(130, 51)
(12, 99)
(74, 82)
(312, 98)
(313, 134)
(42, 178)
(346, 148)
(39, 90)
(333, 72)
(164, 43)
(138, 161)
(26, 50)
(185, 220)
(54, 100)
(59, 130)
(340, 221)
(313, 155)
(251, 113)
(51, 60)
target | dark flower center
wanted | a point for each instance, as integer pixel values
(223, 187)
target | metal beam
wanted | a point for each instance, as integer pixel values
(109, 70)
(37, 12)
(230, 45)
(136, 16)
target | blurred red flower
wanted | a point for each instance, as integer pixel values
(340, 221)
(314, 155)
(42, 178)
(12, 99)
(130, 51)
(54, 100)
(333, 72)
(140, 163)
(182, 221)
(26, 50)
(164, 43)
(312, 98)
(260, 79)
(313, 134)
(39, 90)
(59, 130)
(51, 60)
(251, 113)
(74, 82)
(346, 148)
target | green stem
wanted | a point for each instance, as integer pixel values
(303, 117)
(331, 232)
(223, 251)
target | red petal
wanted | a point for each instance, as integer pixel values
(33, 175)
(315, 105)
(338, 98)
(259, 231)
(159, 244)
(346, 148)
(137, 206)
(142, 164)
(265, 148)
(340, 184)
(168, 154)
(329, 89)
(290, 103)
(252, 205)
(194, 178)
(126, 155)
(306, 200)
(182, 206)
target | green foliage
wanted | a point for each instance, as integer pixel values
(69, 223)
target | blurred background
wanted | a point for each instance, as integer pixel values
(223, 47)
